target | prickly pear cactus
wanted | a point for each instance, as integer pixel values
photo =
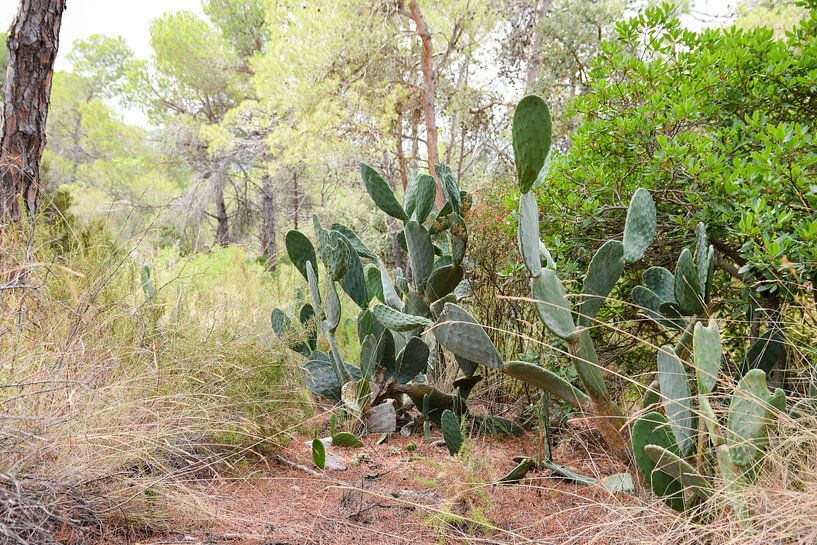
(452, 432)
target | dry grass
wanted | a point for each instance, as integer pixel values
(111, 407)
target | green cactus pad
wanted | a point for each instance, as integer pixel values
(652, 396)
(678, 468)
(707, 351)
(280, 322)
(424, 194)
(551, 304)
(531, 139)
(650, 304)
(312, 279)
(449, 185)
(767, 351)
(673, 379)
(652, 429)
(346, 439)
(397, 321)
(368, 356)
(707, 414)
(734, 481)
(467, 366)
(547, 381)
(359, 247)
(412, 360)
(639, 227)
(602, 274)
(306, 315)
(443, 281)
(410, 194)
(519, 472)
(460, 333)
(464, 385)
(661, 282)
(354, 281)
(750, 413)
(300, 251)
(704, 259)
(416, 304)
(390, 296)
(545, 258)
(381, 193)
(318, 453)
(527, 234)
(332, 306)
(421, 252)
(586, 363)
(452, 432)
(373, 286)
(320, 376)
(437, 401)
(687, 289)
(459, 237)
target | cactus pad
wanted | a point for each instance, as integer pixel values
(602, 274)
(547, 381)
(707, 351)
(460, 333)
(652, 429)
(552, 305)
(381, 193)
(300, 251)
(531, 139)
(397, 321)
(672, 377)
(452, 432)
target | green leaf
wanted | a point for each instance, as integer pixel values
(531, 139)
(381, 193)
(452, 433)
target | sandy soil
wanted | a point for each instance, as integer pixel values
(406, 491)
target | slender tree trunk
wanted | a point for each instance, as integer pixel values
(428, 95)
(535, 51)
(269, 212)
(222, 226)
(296, 198)
(401, 156)
(32, 43)
(415, 140)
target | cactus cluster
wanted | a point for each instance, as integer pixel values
(461, 334)
(681, 451)
(395, 311)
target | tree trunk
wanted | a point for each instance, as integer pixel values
(428, 96)
(534, 53)
(222, 226)
(401, 156)
(269, 211)
(32, 48)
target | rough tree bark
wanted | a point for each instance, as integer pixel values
(269, 212)
(32, 43)
(428, 95)
(222, 220)
(534, 54)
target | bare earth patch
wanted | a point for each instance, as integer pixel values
(405, 491)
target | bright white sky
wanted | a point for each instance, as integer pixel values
(127, 18)
(131, 19)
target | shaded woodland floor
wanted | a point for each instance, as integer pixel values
(406, 491)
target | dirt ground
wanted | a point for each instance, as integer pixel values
(406, 491)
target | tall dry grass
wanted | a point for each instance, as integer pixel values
(112, 407)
